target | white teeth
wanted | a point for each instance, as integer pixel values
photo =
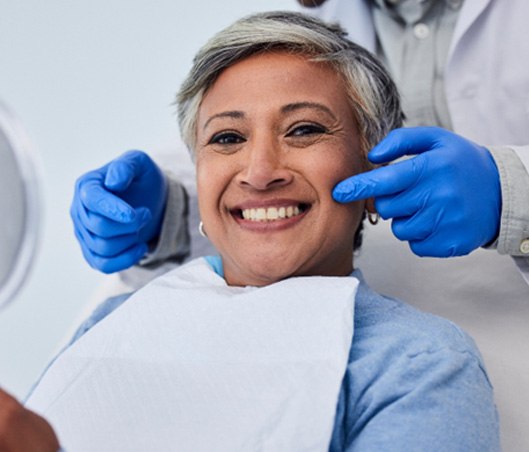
(270, 213)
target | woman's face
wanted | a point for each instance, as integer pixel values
(275, 134)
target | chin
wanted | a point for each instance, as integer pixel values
(264, 276)
(261, 273)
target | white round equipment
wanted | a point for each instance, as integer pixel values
(19, 206)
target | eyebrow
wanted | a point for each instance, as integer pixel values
(225, 114)
(302, 105)
(236, 114)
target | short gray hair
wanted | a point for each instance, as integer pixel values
(373, 95)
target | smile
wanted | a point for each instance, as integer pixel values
(268, 214)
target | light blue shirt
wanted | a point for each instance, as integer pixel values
(414, 382)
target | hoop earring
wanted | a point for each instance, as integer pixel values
(373, 218)
(201, 229)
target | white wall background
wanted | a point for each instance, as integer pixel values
(89, 80)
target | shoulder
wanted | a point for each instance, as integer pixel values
(388, 325)
(412, 379)
(402, 345)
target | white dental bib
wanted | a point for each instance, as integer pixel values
(191, 364)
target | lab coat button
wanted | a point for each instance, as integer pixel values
(524, 246)
(421, 31)
(454, 4)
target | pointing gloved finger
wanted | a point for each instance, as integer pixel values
(384, 181)
(405, 141)
(105, 228)
(123, 261)
(100, 201)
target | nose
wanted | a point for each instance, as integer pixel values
(264, 167)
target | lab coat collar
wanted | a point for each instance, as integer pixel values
(470, 12)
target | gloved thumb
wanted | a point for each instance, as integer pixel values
(120, 175)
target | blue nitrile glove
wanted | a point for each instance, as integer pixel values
(445, 201)
(117, 210)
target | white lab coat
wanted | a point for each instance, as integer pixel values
(487, 74)
(487, 90)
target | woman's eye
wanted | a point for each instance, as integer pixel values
(306, 130)
(226, 138)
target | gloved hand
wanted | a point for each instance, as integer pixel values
(117, 210)
(445, 201)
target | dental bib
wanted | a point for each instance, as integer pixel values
(191, 364)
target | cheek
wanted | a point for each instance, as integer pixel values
(214, 175)
(346, 221)
(334, 167)
(207, 188)
(347, 214)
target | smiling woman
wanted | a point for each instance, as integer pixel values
(266, 166)
(278, 343)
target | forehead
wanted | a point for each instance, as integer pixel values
(274, 79)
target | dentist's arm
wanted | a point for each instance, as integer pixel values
(445, 201)
(22, 430)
